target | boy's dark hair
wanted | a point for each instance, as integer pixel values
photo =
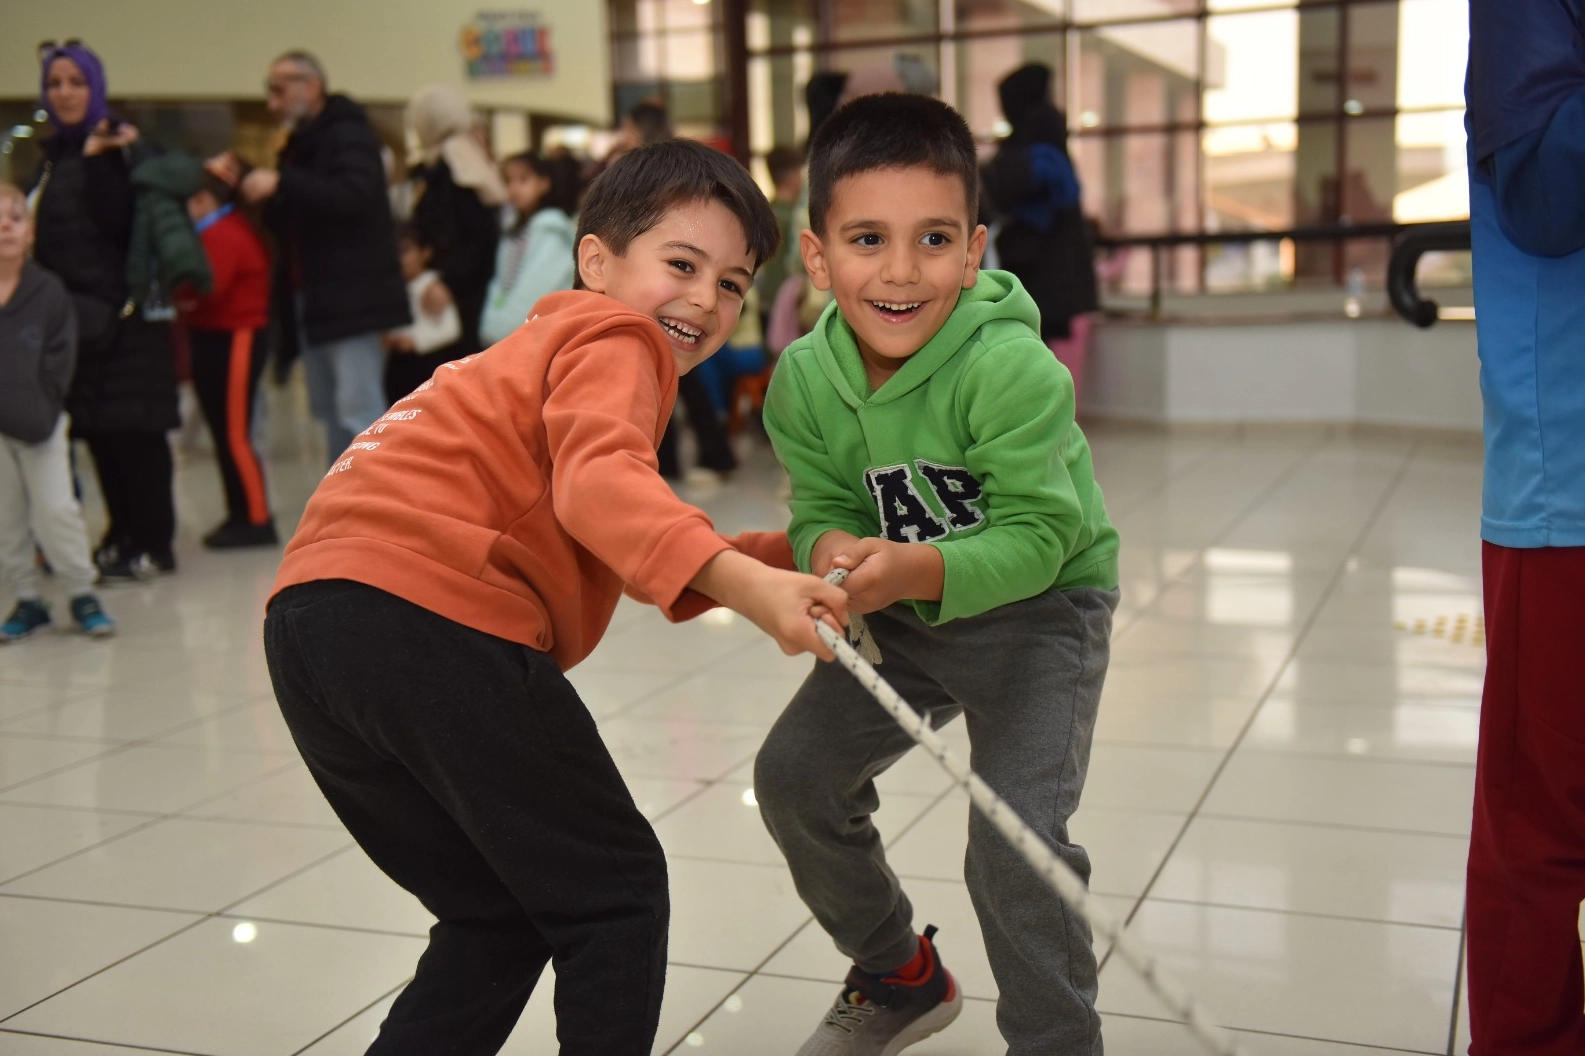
(783, 162)
(642, 185)
(890, 131)
(651, 121)
(218, 189)
(410, 234)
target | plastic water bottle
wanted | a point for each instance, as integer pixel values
(1355, 286)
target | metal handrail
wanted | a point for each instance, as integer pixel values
(1429, 236)
(1407, 249)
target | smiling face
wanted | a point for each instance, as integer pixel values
(898, 247)
(689, 273)
(67, 91)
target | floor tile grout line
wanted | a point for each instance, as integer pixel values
(1308, 914)
(98, 972)
(202, 919)
(350, 845)
(150, 823)
(110, 750)
(1342, 757)
(97, 1041)
(117, 749)
(1335, 825)
(1261, 498)
(395, 989)
(758, 968)
(1370, 522)
(1214, 451)
(644, 698)
(747, 977)
(1296, 1037)
(1458, 980)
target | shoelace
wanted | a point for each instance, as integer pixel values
(846, 1016)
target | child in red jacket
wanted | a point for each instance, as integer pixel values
(226, 330)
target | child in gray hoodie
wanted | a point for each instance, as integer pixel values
(38, 351)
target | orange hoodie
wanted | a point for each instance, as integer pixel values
(518, 491)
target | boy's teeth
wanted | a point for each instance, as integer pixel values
(891, 307)
(681, 331)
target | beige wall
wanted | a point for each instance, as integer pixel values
(375, 50)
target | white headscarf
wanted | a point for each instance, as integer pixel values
(442, 121)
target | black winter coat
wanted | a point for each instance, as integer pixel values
(464, 233)
(332, 223)
(1055, 261)
(126, 366)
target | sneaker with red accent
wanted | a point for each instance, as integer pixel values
(881, 1015)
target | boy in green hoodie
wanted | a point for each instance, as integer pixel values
(930, 438)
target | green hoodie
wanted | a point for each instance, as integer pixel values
(970, 447)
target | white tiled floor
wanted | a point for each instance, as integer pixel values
(1278, 800)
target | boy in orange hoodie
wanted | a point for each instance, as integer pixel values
(469, 548)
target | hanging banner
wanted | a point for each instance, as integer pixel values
(507, 44)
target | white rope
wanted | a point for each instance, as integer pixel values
(1062, 879)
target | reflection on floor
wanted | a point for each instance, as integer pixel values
(1279, 797)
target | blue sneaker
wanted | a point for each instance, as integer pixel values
(29, 616)
(90, 618)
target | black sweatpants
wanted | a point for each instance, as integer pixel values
(134, 470)
(227, 365)
(471, 773)
(715, 448)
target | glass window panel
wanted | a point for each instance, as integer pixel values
(1432, 177)
(1249, 177)
(1252, 67)
(1137, 75)
(781, 23)
(1142, 183)
(1012, 15)
(1243, 5)
(877, 68)
(1249, 267)
(1371, 169)
(777, 114)
(1372, 58)
(1317, 81)
(984, 61)
(691, 55)
(858, 20)
(638, 58)
(1114, 10)
(1433, 43)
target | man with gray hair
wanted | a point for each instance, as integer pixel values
(338, 283)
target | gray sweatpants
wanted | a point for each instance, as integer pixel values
(37, 506)
(1027, 678)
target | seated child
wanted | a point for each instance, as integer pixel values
(415, 350)
(38, 508)
(464, 553)
(930, 440)
(226, 332)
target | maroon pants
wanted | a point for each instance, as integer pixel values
(1527, 847)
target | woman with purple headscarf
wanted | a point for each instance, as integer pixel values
(123, 398)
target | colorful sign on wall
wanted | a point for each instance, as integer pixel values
(507, 44)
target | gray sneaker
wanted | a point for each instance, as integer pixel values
(881, 1015)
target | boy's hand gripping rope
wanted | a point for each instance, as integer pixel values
(1062, 879)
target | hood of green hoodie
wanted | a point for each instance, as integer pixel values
(997, 295)
(177, 174)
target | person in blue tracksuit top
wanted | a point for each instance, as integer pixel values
(1526, 121)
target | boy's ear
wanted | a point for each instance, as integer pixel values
(814, 254)
(971, 269)
(594, 257)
